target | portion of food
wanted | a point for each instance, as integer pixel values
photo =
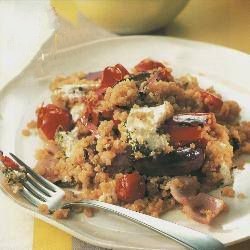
(142, 139)
(14, 174)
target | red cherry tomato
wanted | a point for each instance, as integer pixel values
(110, 76)
(212, 102)
(50, 118)
(9, 163)
(184, 135)
(181, 134)
(122, 69)
(148, 64)
(130, 187)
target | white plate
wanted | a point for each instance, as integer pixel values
(227, 70)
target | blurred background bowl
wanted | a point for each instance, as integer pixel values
(131, 16)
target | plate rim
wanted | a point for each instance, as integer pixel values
(38, 58)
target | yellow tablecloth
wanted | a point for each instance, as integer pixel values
(224, 22)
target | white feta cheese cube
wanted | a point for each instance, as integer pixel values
(142, 124)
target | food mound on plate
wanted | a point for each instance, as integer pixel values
(141, 139)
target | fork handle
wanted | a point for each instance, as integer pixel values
(188, 237)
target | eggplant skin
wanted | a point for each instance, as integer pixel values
(179, 162)
(120, 164)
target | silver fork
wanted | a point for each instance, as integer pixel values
(37, 190)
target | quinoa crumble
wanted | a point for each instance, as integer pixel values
(142, 139)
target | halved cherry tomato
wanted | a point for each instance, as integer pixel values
(183, 135)
(110, 76)
(130, 187)
(50, 118)
(212, 102)
(148, 64)
(122, 69)
(9, 163)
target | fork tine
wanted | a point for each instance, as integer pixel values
(38, 186)
(26, 194)
(32, 190)
(39, 178)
